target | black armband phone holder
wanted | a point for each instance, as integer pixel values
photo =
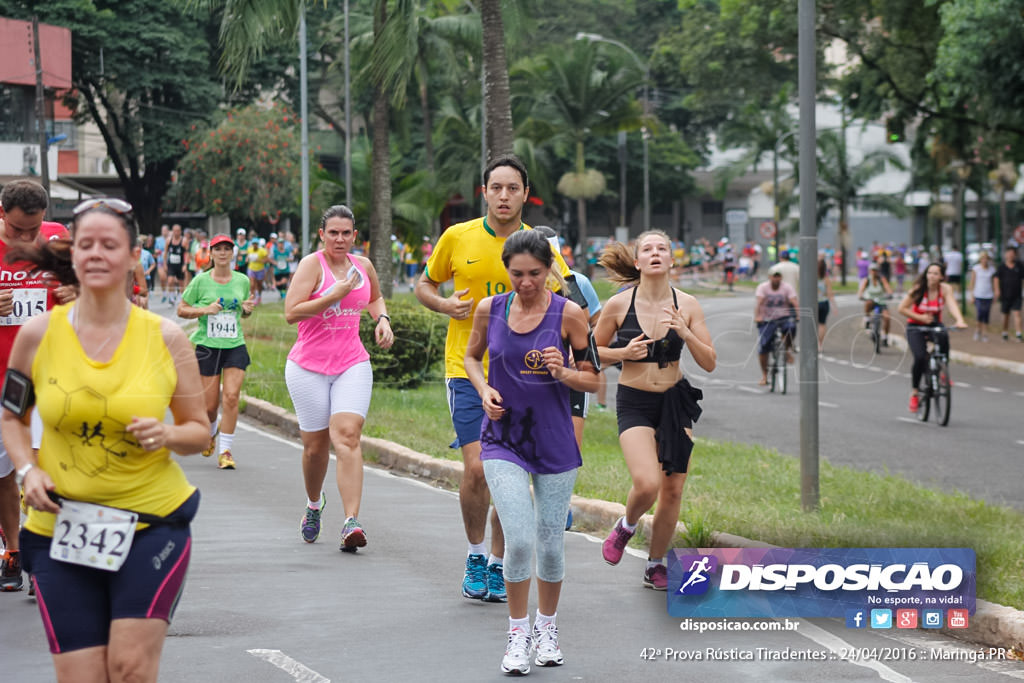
(18, 394)
(588, 354)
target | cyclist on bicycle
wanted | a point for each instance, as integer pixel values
(923, 307)
(874, 290)
(777, 304)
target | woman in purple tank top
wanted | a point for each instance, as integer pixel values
(527, 433)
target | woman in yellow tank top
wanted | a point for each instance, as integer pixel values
(105, 372)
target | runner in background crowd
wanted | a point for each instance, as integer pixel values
(220, 298)
(22, 207)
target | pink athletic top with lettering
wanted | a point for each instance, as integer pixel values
(329, 343)
(933, 306)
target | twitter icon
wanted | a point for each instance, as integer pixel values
(881, 618)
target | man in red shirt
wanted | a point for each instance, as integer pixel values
(23, 294)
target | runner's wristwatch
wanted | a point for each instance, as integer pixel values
(19, 475)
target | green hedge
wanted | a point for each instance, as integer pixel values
(418, 350)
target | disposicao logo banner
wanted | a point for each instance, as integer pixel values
(817, 582)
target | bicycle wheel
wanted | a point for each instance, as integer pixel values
(773, 367)
(943, 394)
(783, 371)
(924, 397)
(876, 332)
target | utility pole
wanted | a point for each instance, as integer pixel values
(807, 68)
(44, 162)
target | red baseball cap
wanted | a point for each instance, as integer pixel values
(221, 239)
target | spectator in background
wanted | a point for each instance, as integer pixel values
(982, 287)
(790, 271)
(825, 297)
(863, 263)
(954, 261)
(148, 261)
(1008, 284)
(899, 267)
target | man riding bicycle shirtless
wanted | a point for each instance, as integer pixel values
(777, 304)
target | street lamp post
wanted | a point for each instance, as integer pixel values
(645, 133)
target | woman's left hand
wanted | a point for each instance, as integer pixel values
(151, 433)
(249, 305)
(384, 334)
(677, 319)
(551, 357)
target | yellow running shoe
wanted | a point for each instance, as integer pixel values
(208, 451)
(225, 461)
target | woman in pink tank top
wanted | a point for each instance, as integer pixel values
(328, 371)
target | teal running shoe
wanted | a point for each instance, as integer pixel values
(474, 584)
(495, 583)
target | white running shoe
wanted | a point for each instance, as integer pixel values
(545, 639)
(517, 652)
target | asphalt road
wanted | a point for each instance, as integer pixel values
(261, 605)
(863, 416)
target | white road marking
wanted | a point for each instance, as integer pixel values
(911, 420)
(992, 390)
(1020, 442)
(750, 390)
(823, 404)
(296, 670)
(837, 645)
(962, 385)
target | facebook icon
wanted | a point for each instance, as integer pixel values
(856, 618)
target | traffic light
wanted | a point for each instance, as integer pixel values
(895, 130)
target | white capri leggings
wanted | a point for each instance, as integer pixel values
(527, 521)
(316, 397)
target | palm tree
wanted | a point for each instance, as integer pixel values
(841, 183)
(576, 93)
(497, 95)
(248, 26)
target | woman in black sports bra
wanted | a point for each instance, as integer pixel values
(645, 328)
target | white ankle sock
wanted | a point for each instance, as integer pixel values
(627, 526)
(523, 623)
(493, 560)
(213, 427)
(226, 441)
(315, 504)
(542, 620)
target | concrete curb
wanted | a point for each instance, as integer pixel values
(992, 625)
(962, 358)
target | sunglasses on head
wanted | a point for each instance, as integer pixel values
(116, 205)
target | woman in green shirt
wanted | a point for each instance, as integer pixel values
(220, 298)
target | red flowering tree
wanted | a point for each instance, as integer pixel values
(246, 167)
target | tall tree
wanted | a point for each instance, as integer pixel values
(142, 72)
(247, 166)
(497, 95)
(380, 172)
(580, 91)
(842, 180)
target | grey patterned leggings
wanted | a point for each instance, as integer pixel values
(526, 520)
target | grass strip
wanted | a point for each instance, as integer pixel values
(743, 489)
